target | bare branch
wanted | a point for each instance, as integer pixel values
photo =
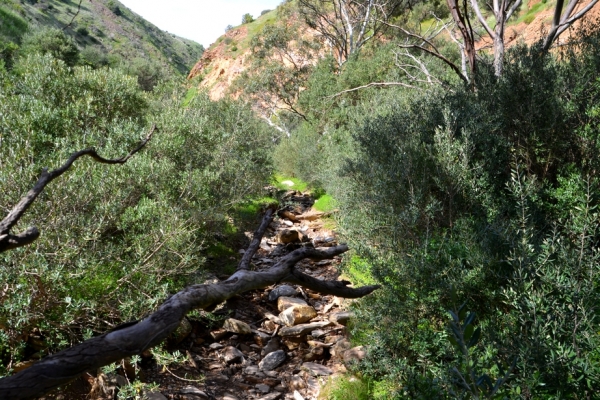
(372, 84)
(8, 241)
(258, 234)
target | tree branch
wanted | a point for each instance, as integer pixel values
(258, 234)
(372, 84)
(8, 241)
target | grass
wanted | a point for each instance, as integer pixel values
(531, 13)
(12, 26)
(299, 184)
(359, 271)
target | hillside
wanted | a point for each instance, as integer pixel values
(101, 28)
(231, 55)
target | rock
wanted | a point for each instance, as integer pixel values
(272, 346)
(297, 314)
(218, 334)
(310, 216)
(237, 326)
(228, 397)
(245, 348)
(297, 383)
(285, 302)
(289, 215)
(340, 347)
(297, 395)
(288, 223)
(289, 236)
(154, 396)
(182, 331)
(272, 360)
(315, 353)
(354, 354)
(293, 342)
(261, 338)
(215, 346)
(261, 387)
(341, 318)
(193, 391)
(302, 329)
(270, 396)
(282, 290)
(317, 369)
(231, 355)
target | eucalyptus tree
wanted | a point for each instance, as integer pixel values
(347, 25)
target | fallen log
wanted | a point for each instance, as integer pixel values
(130, 339)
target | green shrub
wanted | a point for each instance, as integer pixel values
(51, 41)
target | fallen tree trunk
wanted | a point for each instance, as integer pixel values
(133, 338)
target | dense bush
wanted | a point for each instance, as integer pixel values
(116, 240)
(489, 193)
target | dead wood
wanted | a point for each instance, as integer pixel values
(9, 241)
(130, 339)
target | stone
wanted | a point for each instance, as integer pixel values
(272, 345)
(288, 223)
(282, 290)
(297, 314)
(231, 355)
(228, 397)
(272, 360)
(215, 346)
(297, 383)
(302, 329)
(261, 338)
(340, 347)
(218, 334)
(154, 396)
(289, 236)
(261, 387)
(354, 354)
(285, 302)
(315, 353)
(341, 318)
(289, 215)
(237, 326)
(317, 369)
(270, 396)
(193, 391)
(183, 330)
(297, 395)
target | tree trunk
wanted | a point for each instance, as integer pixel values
(499, 42)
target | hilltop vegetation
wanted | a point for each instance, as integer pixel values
(105, 31)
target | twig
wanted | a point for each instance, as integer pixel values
(73, 19)
(372, 84)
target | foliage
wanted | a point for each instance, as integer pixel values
(115, 240)
(52, 41)
(491, 192)
(247, 18)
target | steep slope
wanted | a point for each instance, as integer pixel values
(105, 27)
(231, 55)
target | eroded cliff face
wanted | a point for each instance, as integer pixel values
(220, 66)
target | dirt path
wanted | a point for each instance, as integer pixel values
(251, 359)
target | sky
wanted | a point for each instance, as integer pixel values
(200, 20)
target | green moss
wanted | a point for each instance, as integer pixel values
(325, 203)
(359, 272)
